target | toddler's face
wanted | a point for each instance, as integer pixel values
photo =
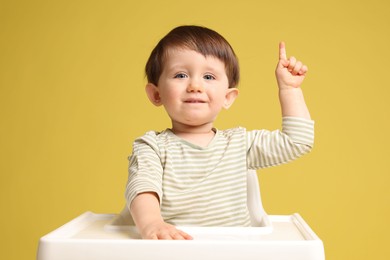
(193, 88)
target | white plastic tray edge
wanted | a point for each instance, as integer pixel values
(65, 231)
(56, 245)
(69, 229)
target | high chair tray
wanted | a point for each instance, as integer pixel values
(90, 237)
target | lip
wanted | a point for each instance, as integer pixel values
(194, 101)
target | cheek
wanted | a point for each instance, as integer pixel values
(168, 95)
(173, 97)
(218, 96)
(170, 100)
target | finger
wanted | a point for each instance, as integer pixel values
(185, 235)
(303, 70)
(292, 63)
(180, 235)
(165, 236)
(154, 237)
(297, 68)
(177, 236)
(282, 51)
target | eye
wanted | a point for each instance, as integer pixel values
(180, 76)
(208, 77)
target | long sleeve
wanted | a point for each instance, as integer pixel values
(270, 148)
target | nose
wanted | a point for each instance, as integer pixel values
(195, 86)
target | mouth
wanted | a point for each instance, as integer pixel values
(194, 101)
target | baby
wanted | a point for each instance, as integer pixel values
(193, 173)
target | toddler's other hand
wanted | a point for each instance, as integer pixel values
(165, 231)
(290, 72)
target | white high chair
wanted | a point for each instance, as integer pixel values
(114, 237)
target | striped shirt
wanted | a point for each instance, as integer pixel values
(206, 186)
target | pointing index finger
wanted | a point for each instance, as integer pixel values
(282, 51)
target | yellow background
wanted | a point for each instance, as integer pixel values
(72, 101)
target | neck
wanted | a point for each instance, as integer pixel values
(179, 128)
(199, 135)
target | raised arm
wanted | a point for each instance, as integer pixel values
(290, 74)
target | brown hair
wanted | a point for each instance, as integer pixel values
(196, 38)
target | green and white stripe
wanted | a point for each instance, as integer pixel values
(206, 186)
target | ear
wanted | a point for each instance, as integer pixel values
(231, 95)
(153, 94)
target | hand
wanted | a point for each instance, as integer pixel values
(162, 230)
(290, 73)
